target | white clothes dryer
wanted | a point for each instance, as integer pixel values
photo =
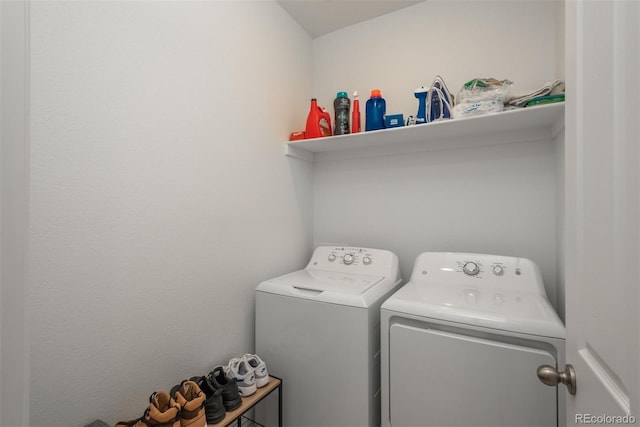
(319, 330)
(461, 343)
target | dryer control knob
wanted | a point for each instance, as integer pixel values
(498, 270)
(471, 268)
(332, 257)
(348, 259)
(366, 260)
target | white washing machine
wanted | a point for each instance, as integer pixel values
(461, 343)
(319, 330)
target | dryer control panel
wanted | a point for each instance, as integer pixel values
(478, 270)
(378, 262)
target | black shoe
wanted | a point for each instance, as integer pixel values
(230, 393)
(213, 407)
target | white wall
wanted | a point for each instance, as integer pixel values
(159, 195)
(499, 199)
(14, 152)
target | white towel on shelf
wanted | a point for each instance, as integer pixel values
(556, 86)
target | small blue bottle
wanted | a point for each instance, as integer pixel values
(375, 111)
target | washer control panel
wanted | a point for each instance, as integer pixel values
(354, 260)
(350, 256)
(478, 270)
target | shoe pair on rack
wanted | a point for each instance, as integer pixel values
(183, 407)
(250, 372)
(222, 394)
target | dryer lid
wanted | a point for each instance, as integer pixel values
(496, 308)
(327, 286)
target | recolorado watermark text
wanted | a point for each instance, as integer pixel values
(604, 419)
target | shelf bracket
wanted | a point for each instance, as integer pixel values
(298, 153)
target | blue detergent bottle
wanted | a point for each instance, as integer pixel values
(376, 109)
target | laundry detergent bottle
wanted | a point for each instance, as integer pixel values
(376, 109)
(341, 105)
(318, 122)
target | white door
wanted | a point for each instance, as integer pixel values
(602, 215)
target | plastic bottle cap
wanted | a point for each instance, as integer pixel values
(355, 93)
(375, 93)
(342, 95)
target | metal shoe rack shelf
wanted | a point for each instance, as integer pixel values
(237, 416)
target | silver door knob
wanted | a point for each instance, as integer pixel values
(551, 377)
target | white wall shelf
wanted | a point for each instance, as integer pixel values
(526, 124)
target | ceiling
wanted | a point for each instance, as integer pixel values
(319, 17)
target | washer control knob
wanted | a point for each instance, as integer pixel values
(332, 257)
(366, 260)
(471, 268)
(348, 259)
(498, 270)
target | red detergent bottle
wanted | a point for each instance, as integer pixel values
(318, 122)
(355, 114)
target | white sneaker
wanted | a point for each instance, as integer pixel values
(259, 369)
(244, 375)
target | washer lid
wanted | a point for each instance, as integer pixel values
(495, 308)
(328, 286)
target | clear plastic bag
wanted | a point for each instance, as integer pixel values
(485, 90)
(481, 96)
(466, 109)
